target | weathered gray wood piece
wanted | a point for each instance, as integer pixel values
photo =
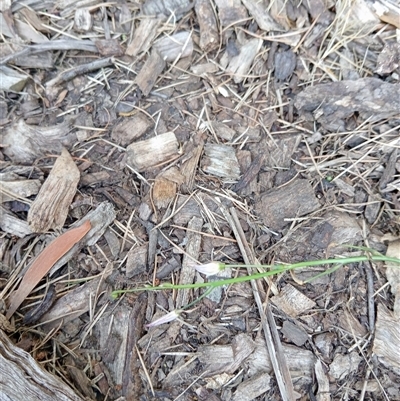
(22, 378)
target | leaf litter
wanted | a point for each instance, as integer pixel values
(256, 132)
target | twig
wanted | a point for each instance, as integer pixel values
(63, 45)
(80, 70)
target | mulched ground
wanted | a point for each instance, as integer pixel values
(198, 131)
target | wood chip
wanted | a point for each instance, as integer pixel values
(187, 272)
(174, 47)
(136, 262)
(109, 47)
(50, 208)
(323, 393)
(294, 333)
(75, 303)
(83, 20)
(209, 37)
(143, 36)
(25, 143)
(239, 65)
(12, 190)
(13, 225)
(389, 58)
(278, 204)
(150, 72)
(259, 12)
(390, 170)
(285, 63)
(167, 8)
(11, 80)
(292, 301)
(370, 97)
(231, 12)
(387, 341)
(372, 209)
(221, 160)
(343, 365)
(165, 187)
(393, 275)
(252, 388)
(193, 151)
(154, 151)
(129, 129)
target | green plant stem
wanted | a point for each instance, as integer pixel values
(275, 269)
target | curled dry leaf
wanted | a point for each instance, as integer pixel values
(43, 263)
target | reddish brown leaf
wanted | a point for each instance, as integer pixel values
(44, 262)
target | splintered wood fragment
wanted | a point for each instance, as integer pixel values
(371, 98)
(76, 302)
(188, 273)
(150, 72)
(72, 73)
(292, 301)
(44, 262)
(393, 275)
(165, 187)
(217, 358)
(12, 225)
(27, 32)
(390, 170)
(109, 47)
(83, 20)
(167, 8)
(279, 204)
(152, 152)
(143, 36)
(27, 142)
(252, 388)
(192, 151)
(209, 37)
(174, 47)
(129, 129)
(285, 63)
(136, 262)
(221, 160)
(387, 13)
(22, 378)
(299, 359)
(239, 65)
(343, 365)
(372, 209)
(297, 335)
(33, 19)
(59, 45)
(11, 80)
(50, 208)
(12, 190)
(231, 12)
(323, 393)
(259, 12)
(388, 59)
(386, 340)
(252, 168)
